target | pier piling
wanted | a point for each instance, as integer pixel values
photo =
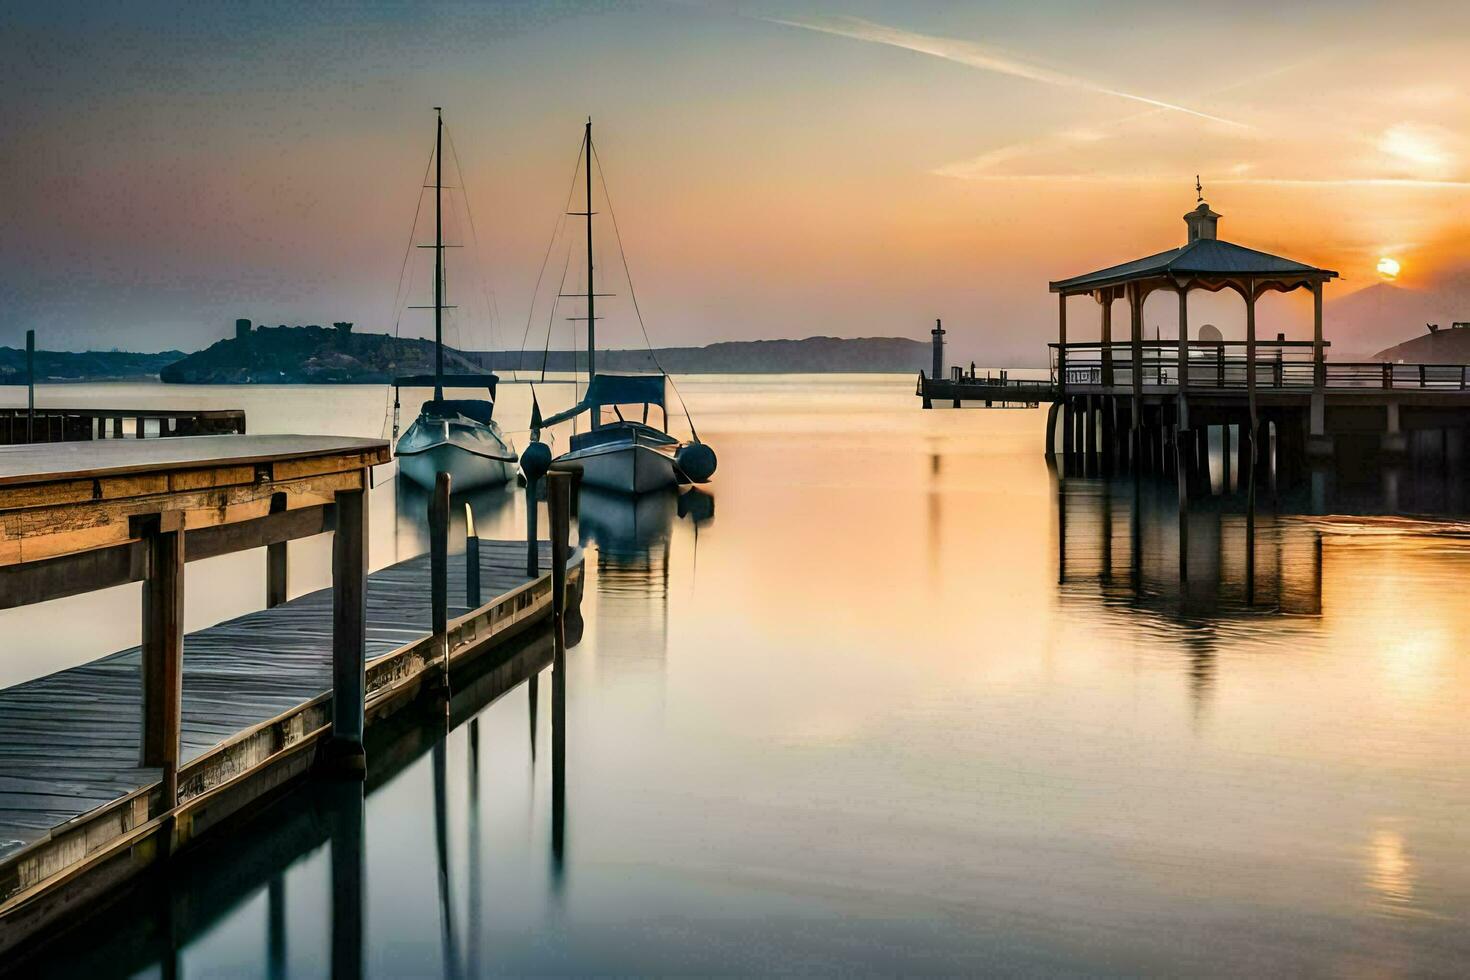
(349, 629)
(439, 568)
(163, 648)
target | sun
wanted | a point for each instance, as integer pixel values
(1388, 268)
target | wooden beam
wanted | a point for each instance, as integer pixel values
(86, 571)
(1105, 297)
(349, 630)
(275, 529)
(26, 583)
(163, 651)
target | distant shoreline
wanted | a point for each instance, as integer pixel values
(338, 355)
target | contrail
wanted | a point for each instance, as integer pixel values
(975, 56)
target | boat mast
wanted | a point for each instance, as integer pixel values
(439, 255)
(591, 293)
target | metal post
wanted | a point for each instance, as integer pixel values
(349, 628)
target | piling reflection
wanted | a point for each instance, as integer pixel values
(1127, 543)
(345, 815)
(322, 818)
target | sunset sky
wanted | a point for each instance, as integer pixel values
(778, 169)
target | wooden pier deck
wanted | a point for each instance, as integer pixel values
(69, 740)
(110, 768)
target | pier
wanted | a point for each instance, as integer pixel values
(111, 767)
(19, 426)
(1279, 405)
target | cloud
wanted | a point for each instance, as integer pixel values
(975, 56)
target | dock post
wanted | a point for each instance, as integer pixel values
(30, 386)
(533, 553)
(471, 559)
(1091, 434)
(349, 630)
(276, 569)
(163, 649)
(558, 502)
(439, 567)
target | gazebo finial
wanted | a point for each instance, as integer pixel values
(1199, 191)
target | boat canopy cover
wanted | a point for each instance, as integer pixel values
(475, 409)
(449, 381)
(616, 389)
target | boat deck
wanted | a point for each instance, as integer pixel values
(69, 741)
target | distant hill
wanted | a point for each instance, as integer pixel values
(1381, 314)
(1447, 345)
(814, 355)
(310, 355)
(53, 367)
(317, 355)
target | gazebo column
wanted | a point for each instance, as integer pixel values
(1182, 456)
(1250, 365)
(1062, 379)
(1135, 330)
(1320, 443)
(1109, 449)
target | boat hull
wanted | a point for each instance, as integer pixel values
(472, 454)
(626, 468)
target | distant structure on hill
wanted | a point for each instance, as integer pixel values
(310, 354)
(1439, 345)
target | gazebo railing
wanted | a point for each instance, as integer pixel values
(1281, 365)
(1211, 364)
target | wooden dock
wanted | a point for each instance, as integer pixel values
(110, 767)
(19, 426)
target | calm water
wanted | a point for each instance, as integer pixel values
(891, 700)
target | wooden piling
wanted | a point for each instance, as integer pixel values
(163, 649)
(439, 567)
(349, 629)
(276, 568)
(533, 555)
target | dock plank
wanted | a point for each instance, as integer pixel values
(69, 741)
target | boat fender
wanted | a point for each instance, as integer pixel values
(536, 460)
(697, 461)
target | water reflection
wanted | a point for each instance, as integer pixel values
(206, 889)
(1126, 544)
(634, 547)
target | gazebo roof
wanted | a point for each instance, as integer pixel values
(1204, 257)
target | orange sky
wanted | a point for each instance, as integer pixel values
(779, 170)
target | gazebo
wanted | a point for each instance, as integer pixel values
(1207, 262)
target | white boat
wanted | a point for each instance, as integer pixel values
(625, 456)
(628, 456)
(457, 436)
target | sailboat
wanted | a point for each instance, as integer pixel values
(625, 455)
(458, 436)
